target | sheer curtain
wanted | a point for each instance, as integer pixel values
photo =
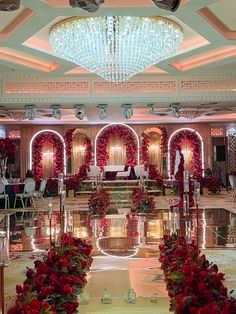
(154, 150)
(47, 160)
(78, 152)
(187, 151)
(117, 151)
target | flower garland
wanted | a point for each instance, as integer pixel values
(195, 143)
(144, 153)
(99, 202)
(164, 141)
(128, 138)
(194, 285)
(56, 281)
(144, 150)
(143, 203)
(40, 140)
(7, 148)
(68, 141)
(88, 151)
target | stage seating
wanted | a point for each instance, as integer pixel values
(114, 168)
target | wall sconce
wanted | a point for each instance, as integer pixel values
(116, 148)
(154, 147)
(56, 111)
(80, 149)
(48, 155)
(31, 112)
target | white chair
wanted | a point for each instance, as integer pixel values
(93, 172)
(232, 181)
(3, 195)
(28, 193)
(140, 172)
(39, 194)
(123, 174)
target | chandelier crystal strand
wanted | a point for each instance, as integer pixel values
(116, 47)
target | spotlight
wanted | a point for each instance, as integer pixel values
(87, 5)
(79, 111)
(170, 5)
(56, 111)
(175, 110)
(9, 5)
(102, 111)
(31, 112)
(127, 111)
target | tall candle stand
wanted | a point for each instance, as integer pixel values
(62, 195)
(50, 211)
(188, 223)
(4, 255)
(197, 200)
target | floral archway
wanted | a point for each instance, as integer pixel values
(47, 137)
(194, 142)
(145, 144)
(87, 143)
(129, 139)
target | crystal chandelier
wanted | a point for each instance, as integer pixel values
(116, 47)
(191, 114)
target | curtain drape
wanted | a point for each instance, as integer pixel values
(154, 150)
(47, 160)
(78, 152)
(117, 151)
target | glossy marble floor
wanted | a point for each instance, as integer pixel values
(125, 253)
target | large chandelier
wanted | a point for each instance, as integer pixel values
(116, 47)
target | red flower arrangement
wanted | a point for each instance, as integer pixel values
(143, 203)
(55, 282)
(121, 132)
(195, 143)
(154, 174)
(212, 183)
(68, 141)
(7, 148)
(164, 141)
(40, 140)
(87, 143)
(144, 153)
(194, 285)
(99, 203)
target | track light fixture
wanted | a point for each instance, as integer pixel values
(31, 112)
(175, 110)
(87, 5)
(56, 111)
(9, 5)
(127, 111)
(102, 111)
(79, 111)
(170, 5)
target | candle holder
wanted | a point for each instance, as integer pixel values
(197, 188)
(50, 211)
(4, 254)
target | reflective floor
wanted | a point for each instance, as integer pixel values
(125, 254)
(126, 235)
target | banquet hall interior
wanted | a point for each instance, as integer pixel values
(117, 156)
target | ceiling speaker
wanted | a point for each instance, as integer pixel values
(87, 5)
(170, 5)
(9, 5)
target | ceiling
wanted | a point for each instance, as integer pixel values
(209, 50)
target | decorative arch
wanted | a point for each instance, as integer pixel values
(129, 137)
(51, 137)
(87, 142)
(197, 144)
(144, 154)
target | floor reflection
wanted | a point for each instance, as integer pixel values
(127, 235)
